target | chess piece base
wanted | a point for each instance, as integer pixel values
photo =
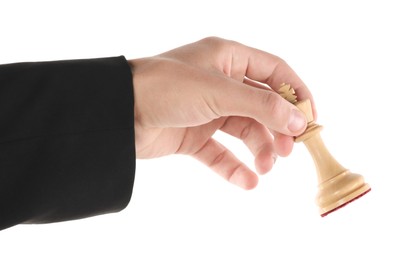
(339, 191)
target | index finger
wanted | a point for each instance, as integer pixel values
(267, 68)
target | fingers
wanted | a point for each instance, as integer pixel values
(256, 137)
(241, 63)
(232, 98)
(272, 70)
(283, 144)
(268, 68)
(223, 162)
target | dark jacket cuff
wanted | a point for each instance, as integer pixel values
(67, 147)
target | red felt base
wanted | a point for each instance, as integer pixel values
(344, 204)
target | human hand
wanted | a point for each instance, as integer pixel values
(182, 97)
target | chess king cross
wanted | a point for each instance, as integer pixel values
(337, 185)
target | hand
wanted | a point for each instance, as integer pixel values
(182, 97)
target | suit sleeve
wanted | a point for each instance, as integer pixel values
(67, 148)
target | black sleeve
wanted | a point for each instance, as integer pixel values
(67, 148)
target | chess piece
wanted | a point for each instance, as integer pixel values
(337, 185)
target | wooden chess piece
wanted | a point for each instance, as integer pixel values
(337, 185)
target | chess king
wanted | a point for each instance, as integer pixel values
(337, 185)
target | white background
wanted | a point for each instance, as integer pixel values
(351, 54)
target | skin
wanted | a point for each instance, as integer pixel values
(183, 96)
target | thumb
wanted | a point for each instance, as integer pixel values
(265, 106)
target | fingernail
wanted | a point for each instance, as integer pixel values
(297, 121)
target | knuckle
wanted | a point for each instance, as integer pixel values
(275, 109)
(233, 171)
(280, 65)
(280, 61)
(219, 45)
(218, 158)
(271, 102)
(245, 132)
(213, 40)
